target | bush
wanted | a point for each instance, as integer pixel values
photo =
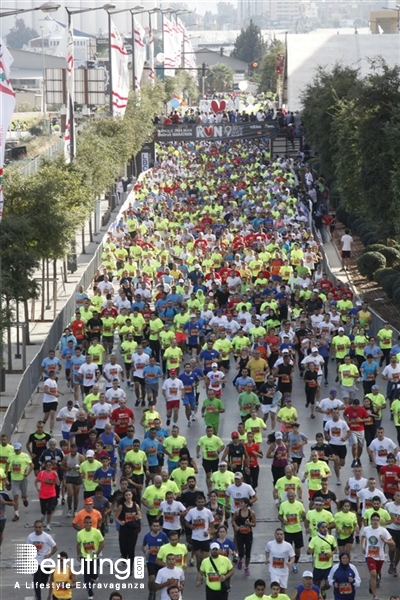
(375, 248)
(341, 214)
(392, 255)
(393, 243)
(370, 262)
(36, 130)
(396, 296)
(389, 282)
(381, 274)
(368, 238)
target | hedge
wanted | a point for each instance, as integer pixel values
(381, 274)
(389, 282)
(370, 262)
(392, 255)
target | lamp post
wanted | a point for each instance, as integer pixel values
(47, 7)
(70, 13)
(177, 13)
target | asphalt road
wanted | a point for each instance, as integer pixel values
(267, 520)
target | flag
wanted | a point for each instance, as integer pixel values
(7, 105)
(139, 53)
(169, 50)
(69, 134)
(150, 42)
(119, 73)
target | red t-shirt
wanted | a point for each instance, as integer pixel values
(47, 484)
(352, 414)
(251, 452)
(390, 483)
(121, 418)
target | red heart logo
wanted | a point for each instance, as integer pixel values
(215, 106)
(222, 105)
(209, 130)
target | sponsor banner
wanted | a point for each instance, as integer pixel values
(214, 131)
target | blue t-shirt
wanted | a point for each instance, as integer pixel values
(51, 364)
(109, 476)
(225, 547)
(208, 357)
(152, 458)
(151, 374)
(161, 434)
(375, 351)
(67, 353)
(241, 383)
(189, 382)
(125, 445)
(76, 362)
(369, 369)
(153, 544)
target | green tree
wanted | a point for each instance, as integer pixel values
(183, 83)
(249, 45)
(219, 78)
(267, 78)
(20, 34)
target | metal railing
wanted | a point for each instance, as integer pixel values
(31, 376)
(51, 152)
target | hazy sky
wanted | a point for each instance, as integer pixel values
(202, 6)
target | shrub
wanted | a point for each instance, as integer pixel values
(341, 214)
(370, 262)
(393, 243)
(368, 238)
(36, 130)
(388, 283)
(392, 255)
(375, 248)
(381, 274)
(396, 296)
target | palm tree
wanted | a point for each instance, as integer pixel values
(219, 78)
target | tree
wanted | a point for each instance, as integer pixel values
(267, 78)
(20, 34)
(183, 83)
(249, 45)
(219, 78)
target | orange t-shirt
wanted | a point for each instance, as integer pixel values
(80, 518)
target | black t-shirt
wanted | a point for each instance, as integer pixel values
(80, 430)
(311, 376)
(188, 498)
(222, 297)
(38, 442)
(266, 393)
(324, 451)
(328, 498)
(236, 456)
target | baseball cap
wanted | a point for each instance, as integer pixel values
(288, 399)
(333, 392)
(307, 574)
(172, 372)
(340, 329)
(238, 475)
(318, 501)
(223, 464)
(278, 435)
(214, 546)
(285, 351)
(197, 266)
(88, 501)
(315, 349)
(17, 446)
(192, 316)
(375, 387)
(214, 364)
(89, 453)
(234, 434)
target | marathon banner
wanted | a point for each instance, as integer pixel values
(214, 131)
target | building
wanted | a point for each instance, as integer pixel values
(211, 58)
(250, 8)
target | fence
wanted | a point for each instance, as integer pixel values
(31, 376)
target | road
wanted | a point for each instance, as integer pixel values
(266, 511)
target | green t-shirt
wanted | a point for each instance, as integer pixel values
(292, 512)
(180, 476)
(137, 460)
(255, 426)
(18, 465)
(346, 373)
(314, 472)
(223, 565)
(383, 513)
(378, 402)
(314, 517)
(395, 408)
(154, 496)
(341, 345)
(283, 485)
(89, 541)
(174, 445)
(179, 551)
(345, 524)
(247, 402)
(87, 471)
(221, 481)
(210, 446)
(209, 409)
(321, 547)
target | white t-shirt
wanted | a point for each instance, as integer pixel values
(114, 396)
(44, 543)
(112, 372)
(279, 555)
(171, 514)
(216, 378)
(102, 413)
(165, 574)
(68, 417)
(355, 485)
(173, 389)
(347, 241)
(366, 496)
(394, 511)
(237, 492)
(376, 539)
(139, 362)
(201, 520)
(327, 405)
(88, 371)
(52, 385)
(381, 449)
(393, 374)
(337, 430)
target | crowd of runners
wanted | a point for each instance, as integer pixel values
(211, 296)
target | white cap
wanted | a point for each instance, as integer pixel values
(314, 349)
(214, 546)
(89, 454)
(285, 351)
(340, 329)
(278, 435)
(307, 574)
(214, 364)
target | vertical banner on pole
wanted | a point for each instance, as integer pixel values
(7, 105)
(69, 134)
(120, 73)
(150, 43)
(140, 53)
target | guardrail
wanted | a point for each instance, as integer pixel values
(31, 376)
(32, 167)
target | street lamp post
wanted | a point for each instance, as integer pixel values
(47, 7)
(177, 13)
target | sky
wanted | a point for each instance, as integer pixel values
(202, 6)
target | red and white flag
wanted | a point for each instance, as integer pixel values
(139, 53)
(150, 43)
(119, 74)
(7, 105)
(69, 134)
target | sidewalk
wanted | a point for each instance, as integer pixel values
(40, 330)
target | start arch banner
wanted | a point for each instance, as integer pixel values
(214, 131)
